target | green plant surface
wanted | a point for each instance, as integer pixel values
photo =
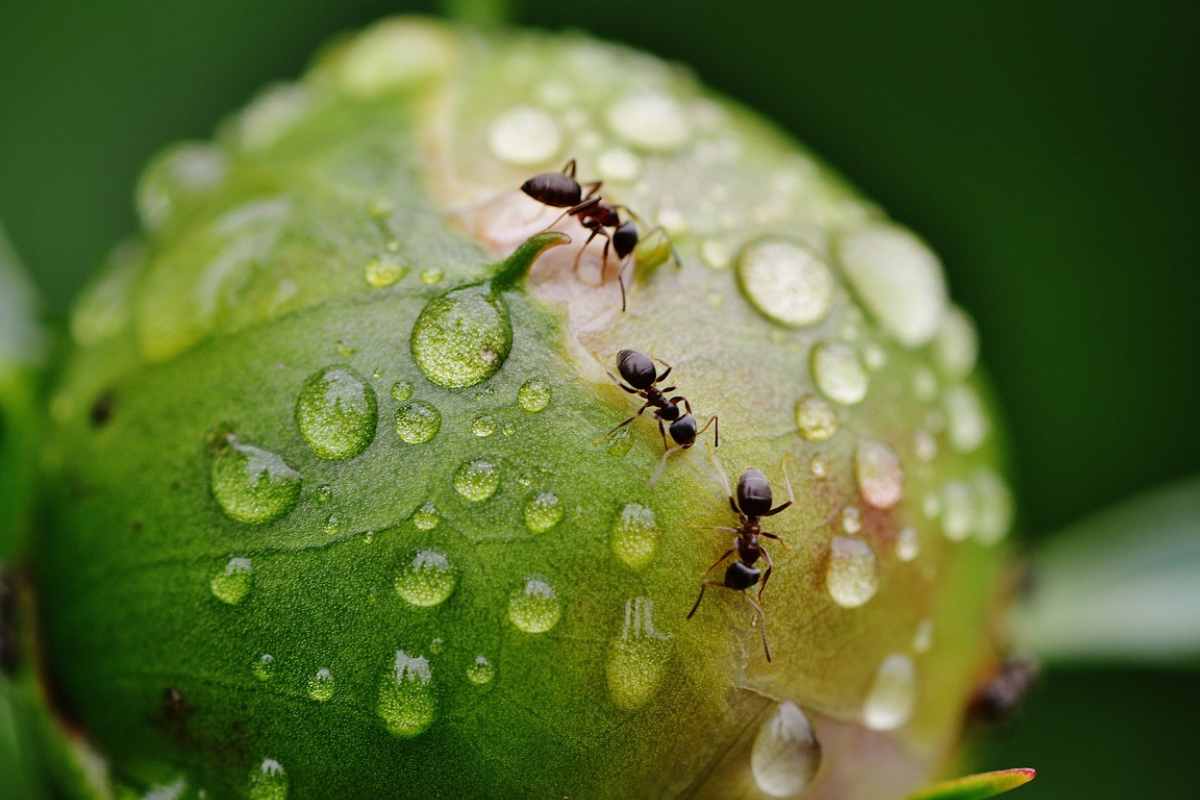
(977, 787)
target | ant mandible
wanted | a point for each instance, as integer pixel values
(562, 190)
(638, 371)
(752, 503)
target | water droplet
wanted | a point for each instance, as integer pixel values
(925, 384)
(852, 577)
(637, 659)
(232, 584)
(898, 279)
(620, 443)
(268, 781)
(534, 607)
(786, 281)
(481, 672)
(417, 422)
(716, 253)
(958, 514)
(635, 535)
(437, 645)
(402, 391)
(164, 791)
(786, 754)
(555, 94)
(931, 505)
(431, 277)
(617, 165)
(543, 511)
(524, 136)
(394, 54)
(816, 419)
(462, 337)
(880, 479)
(477, 480)
(874, 356)
(995, 507)
(967, 420)
(851, 519)
(263, 667)
(483, 426)
(534, 395)
(176, 178)
(818, 466)
(320, 685)
(890, 701)
(908, 544)
(838, 373)
(382, 273)
(923, 636)
(650, 120)
(653, 250)
(925, 446)
(956, 347)
(250, 484)
(333, 524)
(426, 517)
(336, 413)
(427, 580)
(406, 701)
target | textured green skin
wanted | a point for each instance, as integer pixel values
(137, 535)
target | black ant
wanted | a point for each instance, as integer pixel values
(562, 190)
(638, 371)
(752, 503)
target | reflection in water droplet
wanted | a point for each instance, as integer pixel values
(650, 120)
(406, 701)
(880, 479)
(635, 535)
(336, 413)
(816, 419)
(851, 519)
(838, 373)
(481, 672)
(534, 607)
(524, 136)
(908, 544)
(427, 580)
(923, 636)
(958, 514)
(637, 659)
(320, 685)
(956, 347)
(462, 337)
(402, 391)
(786, 281)
(417, 422)
(250, 484)
(268, 781)
(426, 517)
(232, 584)
(786, 754)
(483, 426)
(852, 577)
(381, 273)
(543, 511)
(534, 395)
(477, 480)
(890, 701)
(995, 507)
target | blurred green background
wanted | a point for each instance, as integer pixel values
(1047, 151)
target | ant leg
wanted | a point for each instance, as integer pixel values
(626, 422)
(717, 563)
(766, 575)
(675, 400)
(663, 375)
(762, 615)
(716, 431)
(791, 495)
(579, 252)
(569, 169)
(704, 586)
(720, 470)
(585, 205)
(621, 283)
(620, 383)
(592, 188)
(662, 465)
(662, 432)
(777, 538)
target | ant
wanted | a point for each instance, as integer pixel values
(562, 190)
(638, 371)
(751, 504)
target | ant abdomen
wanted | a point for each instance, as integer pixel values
(636, 368)
(754, 493)
(553, 189)
(741, 576)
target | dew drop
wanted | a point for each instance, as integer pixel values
(524, 136)
(637, 659)
(838, 373)
(432, 277)
(543, 511)
(437, 645)
(534, 395)
(995, 507)
(483, 426)
(394, 54)
(320, 685)
(649, 120)
(427, 580)
(477, 480)
(336, 413)
(635, 535)
(268, 781)
(925, 384)
(250, 484)
(851, 519)
(931, 505)
(815, 418)
(968, 423)
(874, 356)
(956, 346)
(481, 671)
(880, 479)
(233, 583)
(786, 281)
(620, 443)
(417, 422)
(786, 754)
(618, 164)
(462, 337)
(890, 701)
(908, 544)
(426, 518)
(333, 524)
(323, 495)
(818, 467)
(534, 607)
(852, 577)
(263, 667)
(925, 446)
(406, 701)
(923, 636)
(716, 253)
(177, 177)
(402, 391)
(958, 513)
(381, 273)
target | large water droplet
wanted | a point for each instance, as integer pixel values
(815, 418)
(406, 701)
(635, 535)
(417, 422)
(250, 484)
(481, 671)
(838, 373)
(394, 54)
(786, 754)
(534, 395)
(426, 518)
(427, 580)
(543, 511)
(880, 479)
(957, 344)
(268, 781)
(232, 584)
(967, 419)
(637, 659)
(958, 510)
(477, 480)
(483, 426)
(534, 607)
(786, 281)
(524, 136)
(650, 120)
(336, 413)
(852, 577)
(321, 685)
(890, 701)
(176, 178)
(263, 667)
(994, 506)
(462, 337)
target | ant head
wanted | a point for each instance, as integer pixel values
(636, 368)
(625, 238)
(753, 493)
(553, 189)
(683, 430)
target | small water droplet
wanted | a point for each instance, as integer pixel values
(908, 544)
(931, 505)
(650, 120)
(620, 443)
(483, 426)
(381, 273)
(543, 511)
(524, 136)
(923, 636)
(880, 479)
(432, 277)
(263, 667)
(250, 484)
(786, 281)
(818, 466)
(890, 701)
(635, 535)
(968, 422)
(786, 754)
(534, 395)
(462, 337)
(852, 577)
(426, 518)
(232, 584)
(815, 418)
(345, 350)
(417, 422)
(716, 253)
(874, 356)
(995, 506)
(323, 494)
(637, 659)
(406, 701)
(268, 781)
(958, 516)
(437, 645)
(333, 524)
(320, 685)
(925, 384)
(838, 373)
(956, 347)
(925, 446)
(851, 519)
(394, 54)
(427, 580)
(336, 413)
(477, 480)
(534, 607)
(176, 178)
(618, 164)
(402, 391)
(481, 671)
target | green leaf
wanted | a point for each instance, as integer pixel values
(978, 787)
(1121, 584)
